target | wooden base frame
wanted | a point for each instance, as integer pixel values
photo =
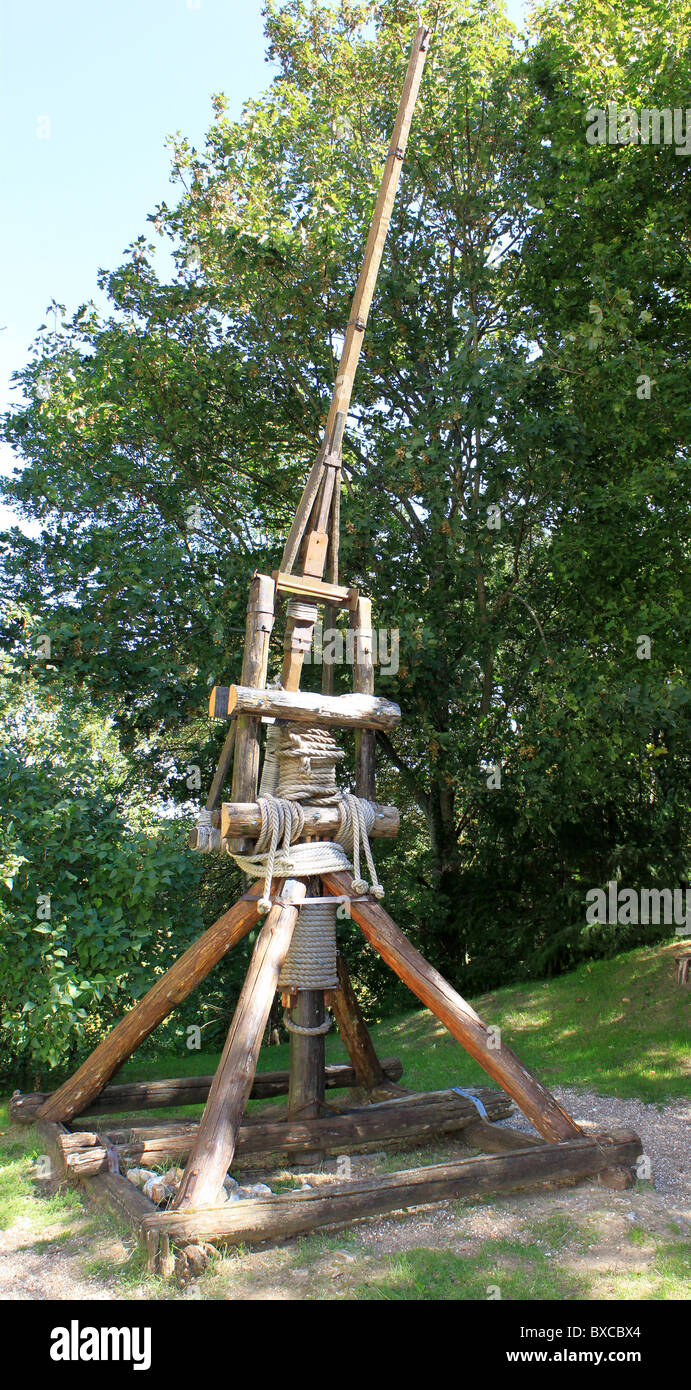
(178, 1241)
(97, 1154)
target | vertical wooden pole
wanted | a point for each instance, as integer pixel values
(363, 684)
(364, 290)
(215, 1143)
(307, 1086)
(307, 1078)
(255, 661)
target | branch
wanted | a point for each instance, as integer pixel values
(419, 796)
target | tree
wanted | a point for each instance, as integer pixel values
(94, 890)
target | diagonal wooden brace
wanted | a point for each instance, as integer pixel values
(76, 1094)
(536, 1102)
(215, 1143)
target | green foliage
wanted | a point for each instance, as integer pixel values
(91, 899)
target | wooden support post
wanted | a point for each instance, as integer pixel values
(363, 684)
(307, 1087)
(436, 994)
(255, 662)
(354, 1032)
(215, 1146)
(170, 989)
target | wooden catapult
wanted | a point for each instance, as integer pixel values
(379, 1110)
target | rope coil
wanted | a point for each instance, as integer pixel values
(311, 959)
(300, 765)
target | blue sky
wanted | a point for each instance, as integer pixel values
(89, 91)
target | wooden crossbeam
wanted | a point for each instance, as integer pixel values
(314, 590)
(410, 1117)
(127, 1096)
(244, 818)
(304, 707)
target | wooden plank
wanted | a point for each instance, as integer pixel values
(489, 1049)
(187, 1090)
(364, 290)
(490, 1140)
(244, 818)
(293, 1213)
(305, 707)
(313, 590)
(407, 1118)
(215, 1145)
(315, 554)
(363, 684)
(82, 1088)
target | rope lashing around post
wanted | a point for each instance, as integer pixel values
(300, 765)
(311, 959)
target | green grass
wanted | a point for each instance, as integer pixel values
(18, 1169)
(500, 1269)
(618, 1027)
(518, 1270)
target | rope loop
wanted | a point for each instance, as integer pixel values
(315, 1032)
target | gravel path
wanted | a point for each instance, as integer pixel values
(665, 1131)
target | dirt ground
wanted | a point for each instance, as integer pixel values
(600, 1240)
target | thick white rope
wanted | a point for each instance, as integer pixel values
(300, 765)
(311, 959)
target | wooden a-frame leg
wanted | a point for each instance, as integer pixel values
(188, 971)
(215, 1143)
(356, 1038)
(536, 1102)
